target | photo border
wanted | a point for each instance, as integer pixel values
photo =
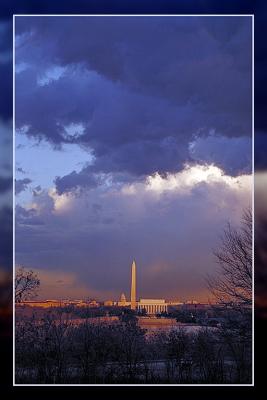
(252, 201)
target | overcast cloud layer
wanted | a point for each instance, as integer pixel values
(162, 109)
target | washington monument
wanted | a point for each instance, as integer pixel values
(133, 287)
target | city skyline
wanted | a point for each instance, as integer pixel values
(131, 297)
(120, 153)
(134, 301)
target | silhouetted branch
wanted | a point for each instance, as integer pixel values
(26, 284)
(233, 283)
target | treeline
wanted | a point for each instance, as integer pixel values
(180, 315)
(52, 350)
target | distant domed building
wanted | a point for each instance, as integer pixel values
(149, 306)
(123, 298)
(123, 301)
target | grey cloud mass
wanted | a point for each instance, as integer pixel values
(22, 184)
(171, 237)
(74, 181)
(142, 88)
(5, 184)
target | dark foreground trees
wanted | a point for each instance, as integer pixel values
(43, 347)
(232, 289)
(56, 350)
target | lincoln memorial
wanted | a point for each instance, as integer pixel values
(152, 306)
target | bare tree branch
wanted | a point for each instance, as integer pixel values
(233, 283)
(26, 284)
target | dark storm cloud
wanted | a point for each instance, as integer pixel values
(5, 184)
(6, 216)
(201, 60)
(5, 42)
(6, 56)
(140, 87)
(260, 72)
(209, 150)
(6, 180)
(27, 217)
(22, 184)
(260, 146)
(75, 180)
(257, 7)
(37, 190)
(21, 170)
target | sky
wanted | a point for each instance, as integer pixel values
(133, 140)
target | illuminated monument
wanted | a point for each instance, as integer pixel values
(150, 306)
(133, 287)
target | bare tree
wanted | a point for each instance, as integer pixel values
(44, 347)
(233, 283)
(178, 345)
(207, 358)
(26, 284)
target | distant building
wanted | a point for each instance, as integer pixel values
(92, 303)
(58, 303)
(149, 306)
(191, 306)
(40, 303)
(123, 302)
(123, 298)
(109, 303)
(175, 303)
(152, 306)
